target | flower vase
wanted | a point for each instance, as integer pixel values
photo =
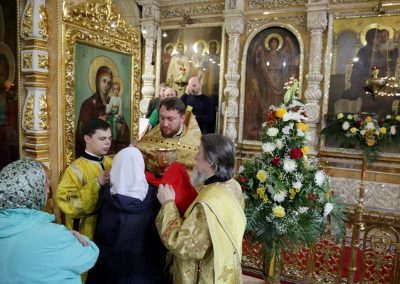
(272, 266)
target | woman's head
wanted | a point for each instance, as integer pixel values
(216, 154)
(127, 174)
(104, 78)
(24, 184)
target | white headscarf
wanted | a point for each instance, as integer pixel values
(127, 174)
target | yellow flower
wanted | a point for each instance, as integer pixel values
(297, 189)
(291, 191)
(261, 175)
(383, 130)
(340, 115)
(328, 194)
(398, 117)
(305, 150)
(368, 118)
(261, 191)
(279, 211)
(265, 199)
(353, 130)
(292, 196)
(302, 126)
(370, 142)
(280, 112)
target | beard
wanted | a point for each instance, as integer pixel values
(168, 132)
(197, 179)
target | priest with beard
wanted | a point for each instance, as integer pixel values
(179, 131)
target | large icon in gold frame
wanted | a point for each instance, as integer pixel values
(96, 30)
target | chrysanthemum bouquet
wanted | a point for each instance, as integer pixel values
(288, 198)
(365, 131)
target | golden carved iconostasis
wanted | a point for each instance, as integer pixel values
(98, 29)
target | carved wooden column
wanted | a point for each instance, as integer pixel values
(234, 27)
(34, 71)
(316, 23)
(149, 23)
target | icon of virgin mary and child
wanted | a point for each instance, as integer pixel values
(105, 103)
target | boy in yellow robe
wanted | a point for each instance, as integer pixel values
(78, 191)
(206, 245)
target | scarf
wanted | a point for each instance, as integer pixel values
(22, 185)
(127, 174)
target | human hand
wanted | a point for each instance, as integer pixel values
(165, 193)
(103, 117)
(104, 178)
(80, 238)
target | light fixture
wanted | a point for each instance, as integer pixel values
(164, 34)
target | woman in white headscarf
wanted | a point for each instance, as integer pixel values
(130, 248)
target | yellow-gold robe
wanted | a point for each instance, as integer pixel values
(186, 145)
(206, 245)
(78, 193)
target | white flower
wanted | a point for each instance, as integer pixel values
(319, 178)
(327, 209)
(289, 165)
(362, 132)
(300, 133)
(268, 147)
(340, 115)
(241, 169)
(370, 126)
(286, 130)
(279, 144)
(393, 130)
(388, 116)
(292, 116)
(272, 131)
(349, 117)
(345, 125)
(280, 197)
(303, 210)
(297, 184)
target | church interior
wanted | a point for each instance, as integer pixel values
(342, 54)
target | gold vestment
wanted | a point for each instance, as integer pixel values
(186, 145)
(78, 194)
(206, 246)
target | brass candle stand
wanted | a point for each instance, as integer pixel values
(358, 225)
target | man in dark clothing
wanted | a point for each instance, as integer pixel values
(155, 102)
(202, 105)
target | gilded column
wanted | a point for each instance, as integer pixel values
(34, 71)
(149, 23)
(316, 23)
(234, 27)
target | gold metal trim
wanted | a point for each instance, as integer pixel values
(28, 123)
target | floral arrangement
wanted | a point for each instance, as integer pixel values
(368, 132)
(288, 198)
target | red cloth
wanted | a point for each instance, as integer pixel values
(176, 176)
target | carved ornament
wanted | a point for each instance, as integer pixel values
(43, 21)
(27, 20)
(210, 8)
(317, 20)
(27, 60)
(234, 24)
(253, 24)
(28, 114)
(43, 113)
(276, 4)
(43, 61)
(100, 16)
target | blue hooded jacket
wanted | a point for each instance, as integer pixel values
(35, 250)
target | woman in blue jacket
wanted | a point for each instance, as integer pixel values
(33, 248)
(131, 251)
